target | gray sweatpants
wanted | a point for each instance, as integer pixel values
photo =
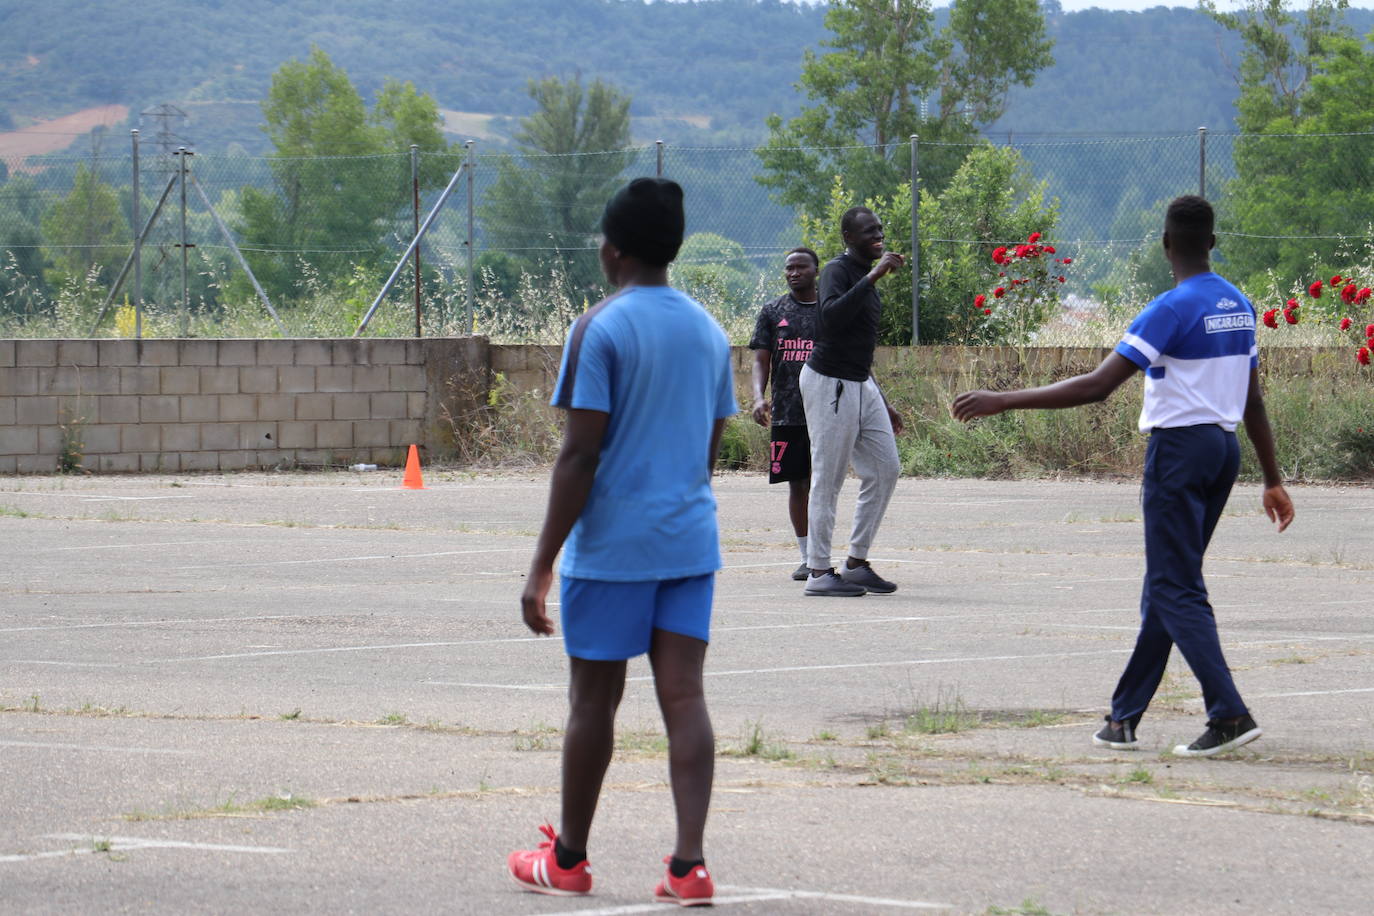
(847, 422)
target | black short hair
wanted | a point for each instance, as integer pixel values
(1189, 222)
(644, 220)
(851, 216)
(802, 249)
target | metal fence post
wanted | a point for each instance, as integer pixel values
(415, 201)
(182, 153)
(658, 171)
(472, 164)
(1202, 162)
(915, 247)
(138, 244)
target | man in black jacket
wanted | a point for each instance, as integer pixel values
(848, 419)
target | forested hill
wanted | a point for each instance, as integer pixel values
(707, 71)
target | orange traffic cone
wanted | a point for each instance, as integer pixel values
(413, 480)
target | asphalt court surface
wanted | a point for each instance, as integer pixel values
(178, 654)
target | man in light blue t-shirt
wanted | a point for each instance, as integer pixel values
(1196, 345)
(647, 385)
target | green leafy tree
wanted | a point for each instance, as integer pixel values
(545, 203)
(85, 233)
(23, 290)
(891, 74)
(992, 200)
(341, 176)
(1303, 183)
(713, 268)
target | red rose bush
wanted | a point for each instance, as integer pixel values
(1028, 288)
(1349, 297)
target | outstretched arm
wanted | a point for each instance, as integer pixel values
(1277, 505)
(1087, 388)
(573, 473)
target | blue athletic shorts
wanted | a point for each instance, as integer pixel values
(613, 621)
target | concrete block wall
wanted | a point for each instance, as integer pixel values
(187, 405)
(190, 405)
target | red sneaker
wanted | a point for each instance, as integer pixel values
(693, 889)
(537, 870)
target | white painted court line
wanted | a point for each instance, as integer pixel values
(134, 545)
(1308, 693)
(789, 669)
(760, 894)
(103, 748)
(156, 623)
(900, 663)
(127, 844)
(376, 648)
(378, 556)
(129, 499)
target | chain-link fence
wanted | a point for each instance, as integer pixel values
(225, 243)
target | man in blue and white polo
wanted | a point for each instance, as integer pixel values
(1196, 345)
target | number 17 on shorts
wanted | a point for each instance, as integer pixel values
(789, 454)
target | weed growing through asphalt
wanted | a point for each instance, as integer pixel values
(947, 715)
(641, 741)
(393, 718)
(1140, 775)
(1028, 907)
(291, 716)
(1039, 718)
(755, 742)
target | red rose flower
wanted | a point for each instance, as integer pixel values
(1061, 279)
(1002, 273)
(987, 311)
(1369, 330)
(1290, 304)
(1033, 238)
(1345, 323)
(999, 255)
(1021, 250)
(1271, 318)
(1363, 295)
(1049, 249)
(1362, 357)
(1290, 316)
(1348, 293)
(1315, 290)
(999, 292)
(1336, 280)
(1068, 260)
(978, 300)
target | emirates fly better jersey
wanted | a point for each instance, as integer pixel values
(1196, 344)
(786, 328)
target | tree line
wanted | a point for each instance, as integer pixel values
(336, 201)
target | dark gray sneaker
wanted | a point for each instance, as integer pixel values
(1118, 736)
(801, 573)
(829, 585)
(865, 576)
(1219, 738)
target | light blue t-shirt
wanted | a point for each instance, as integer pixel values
(659, 365)
(1196, 344)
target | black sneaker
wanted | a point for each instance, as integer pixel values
(865, 576)
(1219, 738)
(801, 573)
(1119, 736)
(829, 585)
